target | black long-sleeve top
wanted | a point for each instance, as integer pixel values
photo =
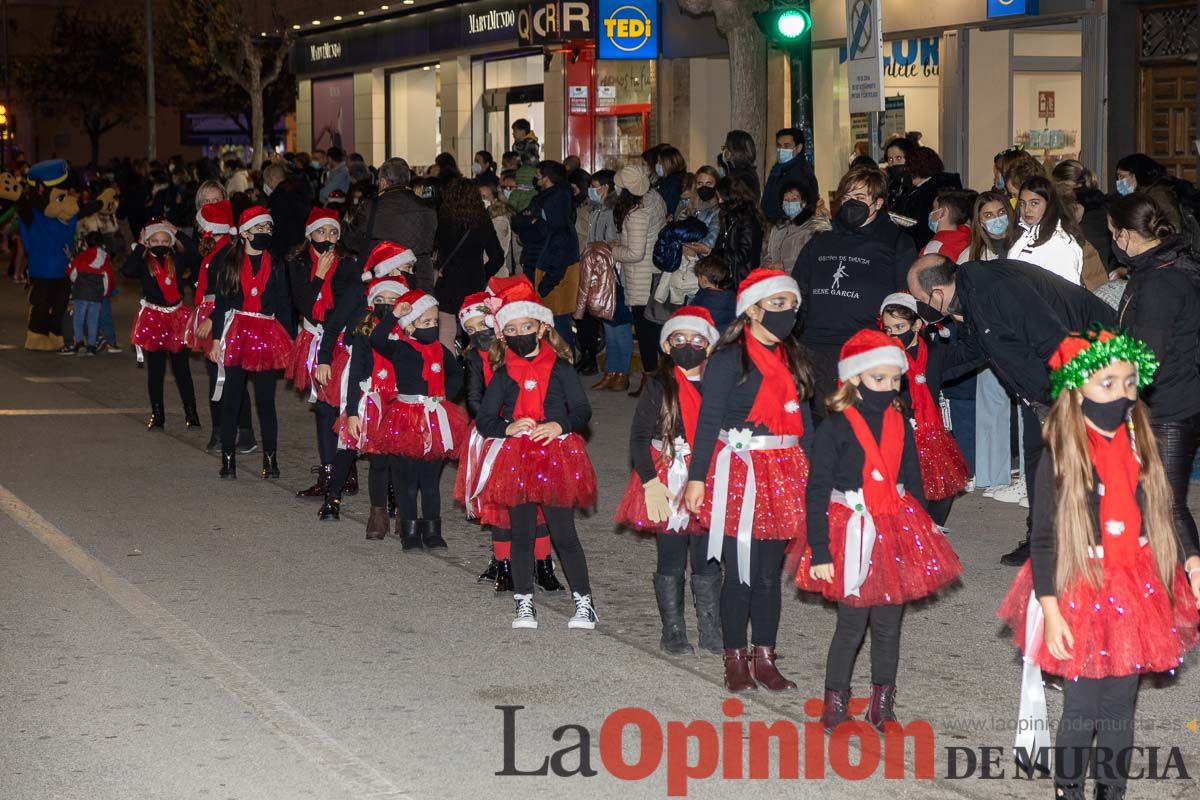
(135, 267)
(349, 309)
(566, 403)
(1043, 544)
(275, 298)
(836, 462)
(726, 403)
(946, 362)
(647, 425)
(476, 386)
(407, 362)
(346, 277)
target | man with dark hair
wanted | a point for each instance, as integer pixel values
(1015, 316)
(791, 167)
(550, 251)
(578, 177)
(288, 202)
(509, 161)
(525, 143)
(397, 215)
(337, 174)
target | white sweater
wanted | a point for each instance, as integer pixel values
(639, 233)
(1059, 254)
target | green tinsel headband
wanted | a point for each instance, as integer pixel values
(1082, 355)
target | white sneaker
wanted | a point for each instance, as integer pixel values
(970, 486)
(585, 614)
(1023, 502)
(1012, 493)
(526, 615)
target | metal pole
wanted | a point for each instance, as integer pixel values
(800, 62)
(151, 122)
(7, 94)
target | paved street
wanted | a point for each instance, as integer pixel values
(167, 635)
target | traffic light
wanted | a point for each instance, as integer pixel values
(786, 23)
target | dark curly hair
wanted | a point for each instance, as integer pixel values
(462, 205)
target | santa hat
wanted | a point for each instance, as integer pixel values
(690, 318)
(158, 225)
(420, 302)
(520, 300)
(867, 349)
(319, 218)
(381, 285)
(903, 299)
(335, 198)
(385, 258)
(483, 304)
(763, 283)
(216, 218)
(254, 215)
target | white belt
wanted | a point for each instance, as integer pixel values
(318, 332)
(209, 298)
(229, 315)
(677, 475)
(741, 443)
(434, 408)
(162, 310)
(860, 537)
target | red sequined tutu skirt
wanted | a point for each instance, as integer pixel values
(370, 416)
(944, 470)
(471, 459)
(414, 430)
(256, 343)
(780, 480)
(631, 511)
(158, 328)
(331, 392)
(1129, 624)
(558, 474)
(911, 558)
(297, 371)
(195, 342)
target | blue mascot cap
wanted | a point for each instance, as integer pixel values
(50, 173)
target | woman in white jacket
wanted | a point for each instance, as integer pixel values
(1050, 238)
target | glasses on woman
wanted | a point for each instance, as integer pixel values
(683, 340)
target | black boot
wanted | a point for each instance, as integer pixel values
(270, 465)
(158, 417)
(489, 574)
(706, 593)
(668, 590)
(190, 418)
(391, 506)
(1018, 555)
(504, 576)
(214, 442)
(330, 509)
(351, 486)
(409, 531)
(228, 465)
(641, 386)
(587, 364)
(431, 534)
(1106, 791)
(544, 576)
(1068, 791)
(321, 487)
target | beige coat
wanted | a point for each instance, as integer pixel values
(635, 251)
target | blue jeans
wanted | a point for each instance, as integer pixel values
(107, 329)
(962, 418)
(87, 318)
(618, 346)
(993, 407)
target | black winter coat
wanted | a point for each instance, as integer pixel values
(919, 203)
(740, 241)
(289, 205)
(461, 262)
(548, 239)
(396, 215)
(668, 250)
(1095, 223)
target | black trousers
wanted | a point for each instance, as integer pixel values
(326, 416)
(1177, 448)
(214, 406)
(378, 478)
(675, 550)
(1100, 708)
(1032, 444)
(561, 522)
(343, 462)
(156, 374)
(48, 298)
(647, 338)
(848, 637)
(939, 510)
(824, 366)
(415, 478)
(758, 604)
(588, 336)
(236, 380)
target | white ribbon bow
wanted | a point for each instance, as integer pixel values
(860, 541)
(219, 389)
(1033, 736)
(433, 409)
(677, 476)
(310, 363)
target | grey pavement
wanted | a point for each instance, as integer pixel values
(167, 635)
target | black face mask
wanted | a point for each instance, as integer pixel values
(897, 173)
(928, 314)
(1107, 416)
(261, 241)
(160, 251)
(523, 344)
(853, 213)
(907, 338)
(323, 247)
(1138, 262)
(874, 401)
(688, 357)
(706, 193)
(380, 309)
(779, 323)
(426, 335)
(482, 340)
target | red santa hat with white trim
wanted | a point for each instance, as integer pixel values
(158, 225)
(867, 349)
(380, 285)
(902, 299)
(420, 302)
(483, 304)
(763, 283)
(216, 219)
(254, 215)
(520, 300)
(690, 318)
(319, 218)
(386, 258)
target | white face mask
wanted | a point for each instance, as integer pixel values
(487, 203)
(476, 168)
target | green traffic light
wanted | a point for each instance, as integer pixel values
(792, 24)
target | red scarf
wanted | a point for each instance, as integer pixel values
(487, 367)
(253, 285)
(777, 405)
(689, 405)
(532, 377)
(324, 301)
(433, 366)
(1120, 517)
(164, 276)
(882, 461)
(925, 410)
(202, 278)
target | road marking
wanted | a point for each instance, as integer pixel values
(360, 778)
(63, 379)
(54, 412)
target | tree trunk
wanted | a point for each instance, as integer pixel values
(748, 83)
(256, 121)
(94, 134)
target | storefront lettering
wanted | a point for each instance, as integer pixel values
(494, 20)
(538, 23)
(324, 51)
(907, 58)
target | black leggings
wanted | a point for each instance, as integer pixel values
(378, 479)
(647, 336)
(326, 439)
(759, 603)
(1177, 448)
(673, 552)
(413, 477)
(561, 522)
(156, 374)
(236, 380)
(214, 406)
(1032, 444)
(343, 462)
(848, 638)
(1102, 708)
(939, 510)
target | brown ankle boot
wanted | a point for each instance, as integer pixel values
(883, 698)
(377, 522)
(620, 382)
(737, 671)
(762, 667)
(603, 383)
(837, 709)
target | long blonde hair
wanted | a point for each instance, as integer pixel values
(1065, 433)
(498, 348)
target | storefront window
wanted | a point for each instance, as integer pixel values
(512, 89)
(333, 113)
(1046, 113)
(624, 90)
(415, 114)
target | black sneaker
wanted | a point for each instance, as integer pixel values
(1017, 556)
(91, 351)
(67, 350)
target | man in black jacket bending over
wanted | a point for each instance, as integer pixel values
(1016, 315)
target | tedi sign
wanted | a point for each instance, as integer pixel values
(325, 51)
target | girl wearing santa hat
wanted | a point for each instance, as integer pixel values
(420, 426)
(1104, 596)
(249, 339)
(660, 446)
(749, 469)
(162, 320)
(876, 548)
(533, 411)
(319, 274)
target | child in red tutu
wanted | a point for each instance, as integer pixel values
(944, 470)
(660, 446)
(749, 468)
(250, 341)
(161, 321)
(533, 455)
(320, 273)
(1104, 597)
(420, 426)
(876, 548)
(478, 320)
